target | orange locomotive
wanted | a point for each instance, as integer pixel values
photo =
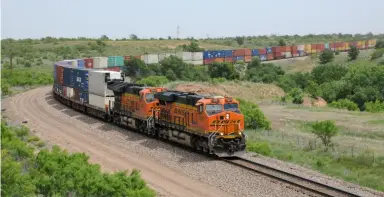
(213, 125)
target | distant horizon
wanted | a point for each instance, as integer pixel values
(199, 19)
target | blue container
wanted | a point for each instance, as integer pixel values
(80, 63)
(79, 79)
(255, 52)
(228, 53)
(263, 57)
(84, 97)
(206, 54)
(238, 58)
(301, 52)
(67, 76)
(326, 45)
(269, 49)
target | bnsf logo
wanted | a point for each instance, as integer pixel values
(218, 122)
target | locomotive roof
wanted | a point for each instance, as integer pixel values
(121, 86)
(189, 98)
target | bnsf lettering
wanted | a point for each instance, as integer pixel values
(225, 122)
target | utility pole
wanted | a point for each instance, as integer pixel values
(178, 32)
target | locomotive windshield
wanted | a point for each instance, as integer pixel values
(149, 97)
(231, 107)
(213, 109)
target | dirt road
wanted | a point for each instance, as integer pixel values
(46, 123)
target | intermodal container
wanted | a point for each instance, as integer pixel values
(100, 102)
(206, 55)
(100, 62)
(228, 53)
(247, 58)
(67, 92)
(218, 59)
(116, 68)
(255, 52)
(277, 49)
(308, 48)
(88, 62)
(80, 96)
(197, 56)
(269, 50)
(278, 55)
(97, 83)
(166, 55)
(353, 44)
(326, 45)
(319, 47)
(195, 62)
(302, 53)
(313, 46)
(239, 52)
(313, 50)
(154, 58)
(115, 61)
(295, 54)
(263, 57)
(270, 56)
(186, 56)
(80, 63)
(287, 49)
(208, 61)
(288, 54)
(346, 46)
(332, 46)
(72, 63)
(291, 49)
(262, 51)
(367, 44)
(248, 52)
(127, 57)
(67, 75)
(301, 47)
(79, 79)
(60, 74)
(228, 59)
(238, 58)
(373, 43)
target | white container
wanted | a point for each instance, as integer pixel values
(184, 55)
(151, 58)
(197, 56)
(72, 63)
(101, 102)
(165, 55)
(67, 92)
(288, 54)
(300, 47)
(196, 62)
(97, 84)
(100, 62)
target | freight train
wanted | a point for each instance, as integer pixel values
(213, 125)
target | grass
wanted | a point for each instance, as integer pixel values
(376, 122)
(365, 168)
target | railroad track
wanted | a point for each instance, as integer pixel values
(292, 179)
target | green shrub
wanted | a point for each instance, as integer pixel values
(344, 104)
(154, 81)
(216, 81)
(326, 56)
(376, 106)
(253, 116)
(33, 139)
(325, 130)
(259, 147)
(377, 54)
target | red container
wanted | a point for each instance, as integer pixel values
(313, 46)
(367, 44)
(293, 49)
(352, 44)
(248, 58)
(88, 62)
(262, 51)
(127, 57)
(228, 59)
(218, 59)
(320, 46)
(208, 61)
(60, 74)
(248, 52)
(277, 49)
(332, 45)
(116, 68)
(278, 55)
(270, 56)
(239, 52)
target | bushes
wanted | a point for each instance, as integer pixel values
(57, 172)
(376, 106)
(326, 56)
(344, 104)
(377, 54)
(259, 147)
(153, 81)
(253, 116)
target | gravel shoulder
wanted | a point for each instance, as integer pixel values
(171, 171)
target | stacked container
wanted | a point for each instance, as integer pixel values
(295, 52)
(80, 63)
(228, 55)
(313, 48)
(165, 55)
(197, 58)
(263, 54)
(88, 62)
(116, 61)
(278, 52)
(152, 59)
(308, 48)
(100, 62)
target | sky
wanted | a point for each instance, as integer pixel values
(196, 18)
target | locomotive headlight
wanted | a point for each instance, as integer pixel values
(221, 133)
(227, 116)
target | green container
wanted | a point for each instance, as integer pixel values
(115, 61)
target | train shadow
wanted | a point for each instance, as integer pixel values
(59, 106)
(71, 112)
(87, 119)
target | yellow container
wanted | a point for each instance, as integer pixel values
(313, 51)
(360, 43)
(307, 48)
(346, 46)
(373, 42)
